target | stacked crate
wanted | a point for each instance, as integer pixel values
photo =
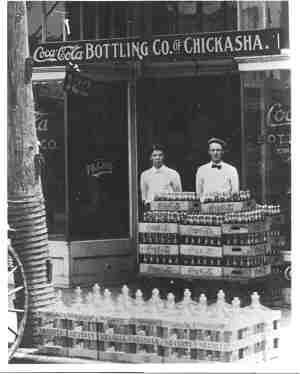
(214, 240)
(277, 241)
(158, 247)
(129, 329)
(246, 250)
(200, 249)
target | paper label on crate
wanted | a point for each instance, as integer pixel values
(244, 228)
(171, 228)
(159, 268)
(175, 205)
(202, 271)
(246, 250)
(196, 230)
(159, 249)
(198, 250)
(247, 272)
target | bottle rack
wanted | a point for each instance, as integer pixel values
(131, 329)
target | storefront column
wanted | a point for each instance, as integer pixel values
(243, 137)
(263, 148)
(132, 147)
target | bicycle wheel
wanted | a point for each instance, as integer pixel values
(17, 301)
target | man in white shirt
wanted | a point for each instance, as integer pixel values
(159, 178)
(216, 176)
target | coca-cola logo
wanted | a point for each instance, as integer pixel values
(278, 115)
(63, 53)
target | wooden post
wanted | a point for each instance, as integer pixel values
(26, 209)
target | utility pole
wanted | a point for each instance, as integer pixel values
(26, 207)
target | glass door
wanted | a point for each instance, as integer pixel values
(98, 163)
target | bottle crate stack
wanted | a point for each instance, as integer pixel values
(225, 238)
(201, 246)
(159, 242)
(278, 239)
(131, 329)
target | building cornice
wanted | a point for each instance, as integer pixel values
(48, 73)
(265, 62)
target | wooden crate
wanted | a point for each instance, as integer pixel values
(197, 230)
(157, 269)
(129, 357)
(171, 228)
(54, 350)
(246, 250)
(201, 271)
(245, 228)
(175, 205)
(83, 353)
(197, 250)
(159, 249)
(234, 272)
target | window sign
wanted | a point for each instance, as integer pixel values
(99, 167)
(279, 130)
(49, 98)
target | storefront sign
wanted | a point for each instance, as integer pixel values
(204, 45)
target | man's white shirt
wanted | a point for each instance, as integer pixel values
(211, 180)
(155, 181)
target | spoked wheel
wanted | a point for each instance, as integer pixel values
(17, 301)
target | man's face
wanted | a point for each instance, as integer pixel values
(215, 151)
(157, 158)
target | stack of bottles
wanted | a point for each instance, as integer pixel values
(201, 246)
(196, 244)
(278, 238)
(159, 242)
(176, 196)
(227, 197)
(131, 329)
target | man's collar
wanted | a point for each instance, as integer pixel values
(216, 163)
(219, 165)
(155, 170)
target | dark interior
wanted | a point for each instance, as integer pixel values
(182, 114)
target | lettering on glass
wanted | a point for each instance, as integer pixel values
(42, 127)
(278, 121)
(99, 167)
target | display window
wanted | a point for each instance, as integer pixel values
(182, 114)
(98, 163)
(49, 99)
(267, 138)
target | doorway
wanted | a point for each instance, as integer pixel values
(98, 164)
(182, 114)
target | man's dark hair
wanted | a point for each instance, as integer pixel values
(157, 147)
